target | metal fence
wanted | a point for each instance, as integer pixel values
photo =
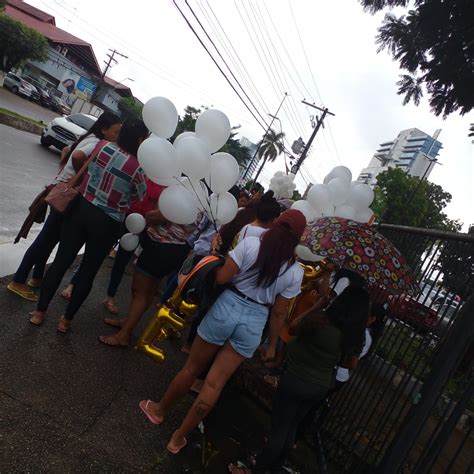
(409, 406)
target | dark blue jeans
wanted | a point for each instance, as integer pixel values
(293, 399)
(39, 251)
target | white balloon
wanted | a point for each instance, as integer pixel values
(304, 253)
(279, 174)
(328, 212)
(363, 215)
(292, 177)
(183, 135)
(339, 191)
(342, 172)
(178, 205)
(223, 207)
(224, 173)
(213, 127)
(135, 223)
(199, 190)
(158, 158)
(194, 157)
(345, 211)
(328, 178)
(129, 242)
(355, 183)
(361, 196)
(319, 196)
(164, 181)
(160, 116)
(305, 207)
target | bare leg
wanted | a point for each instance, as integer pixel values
(143, 292)
(199, 358)
(225, 364)
(67, 292)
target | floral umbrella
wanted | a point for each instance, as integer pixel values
(362, 249)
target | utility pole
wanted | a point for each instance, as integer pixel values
(264, 136)
(111, 59)
(319, 121)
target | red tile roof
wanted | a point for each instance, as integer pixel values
(45, 24)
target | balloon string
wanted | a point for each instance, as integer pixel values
(209, 190)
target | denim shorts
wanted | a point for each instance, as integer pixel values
(234, 319)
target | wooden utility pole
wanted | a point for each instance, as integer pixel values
(319, 122)
(111, 59)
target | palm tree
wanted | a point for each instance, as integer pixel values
(269, 148)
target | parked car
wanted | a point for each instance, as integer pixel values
(446, 313)
(58, 105)
(19, 86)
(64, 131)
(43, 97)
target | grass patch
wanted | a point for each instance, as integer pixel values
(19, 116)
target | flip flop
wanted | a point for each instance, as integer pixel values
(64, 325)
(26, 294)
(144, 408)
(110, 307)
(36, 319)
(177, 450)
(112, 341)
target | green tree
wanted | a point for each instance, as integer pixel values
(269, 148)
(187, 121)
(408, 200)
(296, 195)
(130, 107)
(19, 43)
(434, 44)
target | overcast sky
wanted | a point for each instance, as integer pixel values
(338, 67)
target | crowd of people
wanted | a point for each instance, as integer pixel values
(248, 313)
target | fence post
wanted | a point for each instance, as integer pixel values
(444, 363)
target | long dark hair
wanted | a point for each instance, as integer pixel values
(268, 208)
(105, 121)
(132, 133)
(349, 312)
(276, 248)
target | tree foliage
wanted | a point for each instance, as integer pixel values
(130, 107)
(19, 43)
(434, 44)
(269, 148)
(408, 200)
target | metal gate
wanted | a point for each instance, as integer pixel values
(409, 406)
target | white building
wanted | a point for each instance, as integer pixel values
(413, 151)
(248, 171)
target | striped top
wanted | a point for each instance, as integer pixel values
(113, 181)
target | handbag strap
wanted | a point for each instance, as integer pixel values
(75, 179)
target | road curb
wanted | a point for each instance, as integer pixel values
(20, 124)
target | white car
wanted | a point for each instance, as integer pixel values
(64, 131)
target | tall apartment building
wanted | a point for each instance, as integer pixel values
(253, 164)
(413, 151)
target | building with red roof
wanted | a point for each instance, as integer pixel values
(72, 69)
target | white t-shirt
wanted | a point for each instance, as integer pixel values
(250, 230)
(287, 284)
(87, 147)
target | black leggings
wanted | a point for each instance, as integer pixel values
(86, 225)
(39, 251)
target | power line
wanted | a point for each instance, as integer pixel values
(112, 59)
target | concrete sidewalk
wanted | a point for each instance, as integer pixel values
(70, 404)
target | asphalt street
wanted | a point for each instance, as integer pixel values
(25, 167)
(10, 101)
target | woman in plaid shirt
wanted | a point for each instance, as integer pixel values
(113, 181)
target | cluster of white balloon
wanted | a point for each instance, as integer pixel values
(282, 185)
(197, 178)
(338, 196)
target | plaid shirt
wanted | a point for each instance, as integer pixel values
(113, 181)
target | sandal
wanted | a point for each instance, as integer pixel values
(25, 294)
(37, 318)
(112, 341)
(178, 449)
(144, 408)
(110, 307)
(64, 325)
(32, 283)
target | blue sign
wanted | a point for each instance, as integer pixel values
(85, 86)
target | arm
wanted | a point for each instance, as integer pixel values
(324, 289)
(228, 271)
(64, 156)
(78, 159)
(277, 320)
(306, 320)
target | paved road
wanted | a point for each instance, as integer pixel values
(8, 100)
(25, 167)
